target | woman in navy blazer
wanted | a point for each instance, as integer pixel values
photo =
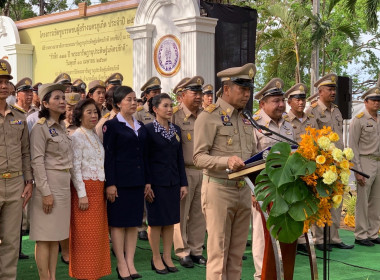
(127, 179)
(168, 179)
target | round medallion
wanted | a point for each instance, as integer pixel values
(167, 56)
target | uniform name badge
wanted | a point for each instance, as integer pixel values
(226, 120)
(53, 132)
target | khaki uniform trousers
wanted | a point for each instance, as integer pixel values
(10, 225)
(189, 234)
(227, 210)
(336, 215)
(258, 242)
(367, 220)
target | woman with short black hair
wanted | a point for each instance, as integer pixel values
(126, 179)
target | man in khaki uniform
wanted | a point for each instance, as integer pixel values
(79, 87)
(72, 98)
(151, 88)
(36, 100)
(115, 79)
(313, 98)
(299, 120)
(223, 139)
(271, 115)
(364, 141)
(15, 176)
(178, 90)
(327, 114)
(24, 93)
(189, 234)
(207, 95)
(64, 79)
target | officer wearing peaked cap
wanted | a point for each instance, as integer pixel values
(64, 79)
(363, 139)
(313, 98)
(271, 115)
(115, 79)
(24, 92)
(178, 89)
(36, 99)
(226, 204)
(15, 176)
(296, 96)
(327, 114)
(208, 92)
(189, 234)
(79, 87)
(151, 88)
(72, 98)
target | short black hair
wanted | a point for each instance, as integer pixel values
(156, 101)
(109, 97)
(44, 112)
(119, 94)
(79, 108)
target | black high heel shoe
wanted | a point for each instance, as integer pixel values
(122, 278)
(169, 268)
(159, 271)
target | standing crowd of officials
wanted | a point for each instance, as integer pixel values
(96, 164)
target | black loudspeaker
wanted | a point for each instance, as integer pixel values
(343, 97)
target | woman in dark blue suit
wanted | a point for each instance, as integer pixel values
(168, 179)
(126, 174)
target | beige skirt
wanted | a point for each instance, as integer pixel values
(56, 225)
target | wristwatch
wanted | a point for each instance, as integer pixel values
(29, 182)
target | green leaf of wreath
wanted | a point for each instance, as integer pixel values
(285, 229)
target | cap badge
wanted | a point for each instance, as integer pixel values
(156, 81)
(301, 88)
(117, 76)
(278, 84)
(377, 91)
(3, 66)
(209, 87)
(250, 73)
(65, 76)
(199, 81)
(27, 82)
(101, 83)
(333, 79)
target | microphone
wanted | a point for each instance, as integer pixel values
(248, 115)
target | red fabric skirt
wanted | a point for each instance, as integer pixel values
(89, 243)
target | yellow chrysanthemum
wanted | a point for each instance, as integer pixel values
(329, 177)
(349, 153)
(324, 143)
(320, 159)
(344, 164)
(337, 154)
(337, 200)
(332, 147)
(334, 137)
(345, 177)
(333, 168)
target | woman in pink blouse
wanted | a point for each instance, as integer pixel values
(89, 244)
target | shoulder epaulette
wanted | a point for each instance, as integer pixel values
(257, 118)
(314, 105)
(285, 117)
(175, 109)
(107, 115)
(41, 120)
(334, 105)
(139, 108)
(18, 109)
(310, 115)
(360, 115)
(210, 108)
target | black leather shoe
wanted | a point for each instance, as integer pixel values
(186, 262)
(375, 241)
(302, 248)
(159, 271)
(64, 261)
(122, 278)
(364, 242)
(169, 268)
(341, 245)
(143, 235)
(244, 258)
(198, 259)
(136, 276)
(320, 247)
(22, 256)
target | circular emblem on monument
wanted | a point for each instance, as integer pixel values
(167, 56)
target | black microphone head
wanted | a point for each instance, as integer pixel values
(246, 113)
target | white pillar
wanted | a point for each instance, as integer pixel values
(20, 56)
(142, 54)
(197, 47)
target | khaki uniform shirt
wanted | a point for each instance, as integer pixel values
(299, 126)
(31, 110)
(104, 111)
(220, 132)
(142, 114)
(283, 127)
(99, 125)
(185, 120)
(14, 143)
(328, 117)
(51, 149)
(70, 128)
(364, 137)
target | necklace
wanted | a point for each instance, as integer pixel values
(97, 148)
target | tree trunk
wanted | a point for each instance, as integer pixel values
(6, 8)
